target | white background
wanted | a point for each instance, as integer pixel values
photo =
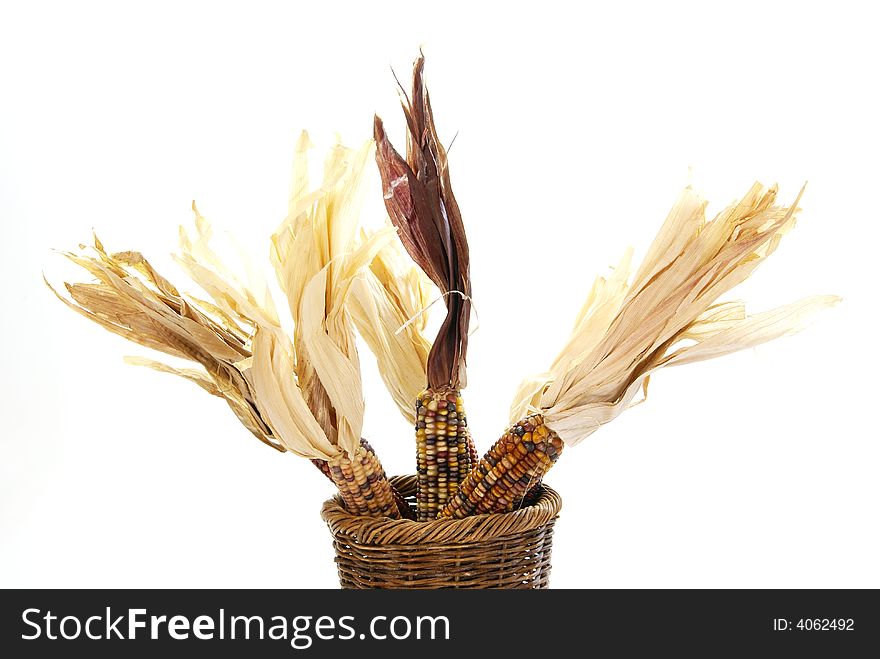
(577, 129)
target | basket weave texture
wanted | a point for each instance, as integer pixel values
(501, 550)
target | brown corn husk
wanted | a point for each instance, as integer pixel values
(418, 197)
(132, 300)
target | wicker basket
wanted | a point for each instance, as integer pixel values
(504, 550)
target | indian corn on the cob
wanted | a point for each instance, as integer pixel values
(362, 483)
(508, 471)
(378, 486)
(444, 449)
(420, 203)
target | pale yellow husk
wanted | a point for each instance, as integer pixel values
(317, 253)
(386, 304)
(667, 313)
(301, 393)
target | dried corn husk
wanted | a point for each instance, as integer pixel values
(301, 394)
(317, 253)
(420, 202)
(269, 370)
(386, 305)
(131, 299)
(627, 330)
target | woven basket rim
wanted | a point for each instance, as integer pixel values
(475, 529)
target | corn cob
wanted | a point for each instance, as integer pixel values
(403, 507)
(510, 469)
(362, 484)
(443, 449)
(419, 200)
